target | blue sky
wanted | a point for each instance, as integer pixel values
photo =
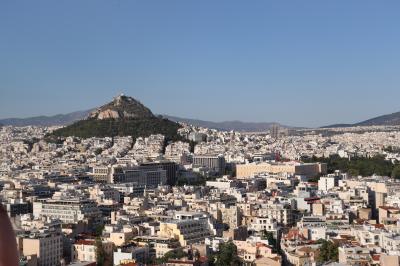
(301, 63)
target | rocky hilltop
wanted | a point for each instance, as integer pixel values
(123, 116)
(122, 107)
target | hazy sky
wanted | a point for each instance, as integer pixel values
(301, 63)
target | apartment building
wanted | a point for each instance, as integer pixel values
(282, 213)
(46, 246)
(150, 175)
(171, 169)
(67, 209)
(188, 228)
(215, 163)
(86, 250)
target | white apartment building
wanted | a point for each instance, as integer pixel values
(260, 224)
(67, 209)
(86, 250)
(130, 254)
(282, 213)
(326, 183)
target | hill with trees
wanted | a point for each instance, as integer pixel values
(360, 165)
(124, 116)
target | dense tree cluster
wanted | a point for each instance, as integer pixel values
(360, 165)
(135, 127)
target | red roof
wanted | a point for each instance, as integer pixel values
(379, 225)
(389, 208)
(376, 257)
(294, 234)
(312, 198)
(86, 242)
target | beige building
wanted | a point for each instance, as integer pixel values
(232, 216)
(307, 169)
(354, 255)
(160, 245)
(302, 256)
(388, 215)
(47, 247)
(386, 260)
(250, 251)
(318, 209)
(186, 232)
(364, 213)
(120, 238)
(276, 261)
(187, 227)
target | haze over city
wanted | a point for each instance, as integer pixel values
(301, 64)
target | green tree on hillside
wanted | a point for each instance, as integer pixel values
(226, 256)
(363, 166)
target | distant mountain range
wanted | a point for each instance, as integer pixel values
(226, 125)
(383, 120)
(67, 119)
(55, 120)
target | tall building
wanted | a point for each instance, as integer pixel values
(214, 163)
(150, 175)
(168, 166)
(67, 209)
(47, 246)
(274, 131)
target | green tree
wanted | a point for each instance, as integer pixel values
(227, 255)
(396, 172)
(173, 254)
(354, 172)
(328, 251)
(98, 230)
(100, 253)
(363, 166)
(271, 240)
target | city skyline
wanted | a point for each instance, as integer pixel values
(306, 65)
(201, 133)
